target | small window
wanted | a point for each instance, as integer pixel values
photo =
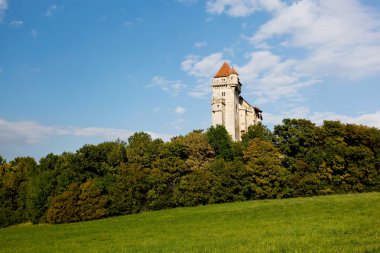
(223, 94)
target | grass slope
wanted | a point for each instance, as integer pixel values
(339, 223)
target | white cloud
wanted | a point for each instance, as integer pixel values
(270, 78)
(53, 9)
(241, 8)
(341, 37)
(202, 67)
(178, 123)
(201, 90)
(3, 8)
(170, 86)
(23, 132)
(200, 44)
(265, 75)
(370, 119)
(28, 133)
(180, 110)
(33, 33)
(16, 23)
(338, 38)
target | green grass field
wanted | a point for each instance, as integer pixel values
(339, 223)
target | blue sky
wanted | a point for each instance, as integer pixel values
(78, 72)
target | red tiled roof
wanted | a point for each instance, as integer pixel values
(225, 71)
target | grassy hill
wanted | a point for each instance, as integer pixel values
(339, 223)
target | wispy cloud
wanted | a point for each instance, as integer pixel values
(178, 123)
(129, 23)
(180, 110)
(337, 39)
(33, 33)
(170, 86)
(3, 8)
(16, 23)
(341, 38)
(201, 90)
(264, 75)
(200, 44)
(157, 109)
(201, 67)
(241, 8)
(270, 78)
(29, 133)
(369, 119)
(53, 9)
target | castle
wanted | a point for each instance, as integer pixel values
(229, 109)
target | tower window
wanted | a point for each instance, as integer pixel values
(223, 94)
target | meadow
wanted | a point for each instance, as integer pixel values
(335, 223)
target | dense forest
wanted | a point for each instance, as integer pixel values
(297, 158)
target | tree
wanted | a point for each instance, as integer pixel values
(229, 181)
(220, 142)
(2, 160)
(91, 203)
(142, 150)
(163, 179)
(64, 207)
(257, 131)
(296, 136)
(39, 189)
(13, 189)
(129, 192)
(194, 188)
(268, 176)
(197, 148)
(77, 203)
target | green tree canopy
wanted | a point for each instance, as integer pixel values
(220, 142)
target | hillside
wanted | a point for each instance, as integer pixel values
(337, 223)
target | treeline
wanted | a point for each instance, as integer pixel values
(114, 178)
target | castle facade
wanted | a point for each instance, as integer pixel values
(229, 109)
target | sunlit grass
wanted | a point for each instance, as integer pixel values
(339, 223)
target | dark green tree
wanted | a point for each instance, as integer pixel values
(129, 192)
(229, 181)
(142, 149)
(257, 131)
(198, 150)
(220, 142)
(268, 176)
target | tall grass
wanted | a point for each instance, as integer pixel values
(338, 223)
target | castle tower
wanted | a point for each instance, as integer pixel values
(225, 100)
(229, 109)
